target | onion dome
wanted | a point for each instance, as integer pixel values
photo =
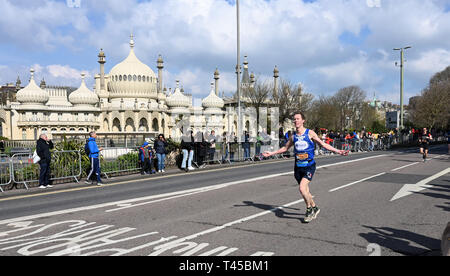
(32, 94)
(177, 99)
(83, 96)
(132, 79)
(213, 101)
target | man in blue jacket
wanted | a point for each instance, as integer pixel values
(94, 157)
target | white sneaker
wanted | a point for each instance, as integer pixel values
(49, 186)
(191, 169)
(163, 171)
(42, 187)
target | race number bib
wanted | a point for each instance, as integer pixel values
(302, 156)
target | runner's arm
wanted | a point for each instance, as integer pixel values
(284, 149)
(313, 136)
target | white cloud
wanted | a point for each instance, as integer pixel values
(196, 36)
(431, 61)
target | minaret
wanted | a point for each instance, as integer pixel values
(245, 74)
(43, 85)
(18, 84)
(216, 78)
(276, 75)
(160, 66)
(102, 61)
(252, 80)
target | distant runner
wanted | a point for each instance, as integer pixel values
(305, 165)
(424, 143)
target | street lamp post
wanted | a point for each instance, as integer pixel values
(402, 59)
(238, 71)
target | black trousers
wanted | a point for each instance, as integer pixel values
(44, 175)
(147, 166)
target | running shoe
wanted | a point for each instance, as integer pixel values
(309, 216)
(316, 212)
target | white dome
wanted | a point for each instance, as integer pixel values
(83, 96)
(213, 101)
(132, 79)
(32, 94)
(177, 99)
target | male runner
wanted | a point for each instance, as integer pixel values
(424, 143)
(305, 166)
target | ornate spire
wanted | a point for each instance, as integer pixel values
(216, 74)
(132, 40)
(160, 62)
(101, 57)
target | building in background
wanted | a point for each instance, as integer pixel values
(131, 100)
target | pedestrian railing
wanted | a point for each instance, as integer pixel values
(65, 165)
(19, 169)
(121, 165)
(5, 171)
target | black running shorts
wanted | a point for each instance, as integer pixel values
(305, 172)
(424, 146)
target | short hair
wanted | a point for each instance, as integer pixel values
(301, 114)
(91, 134)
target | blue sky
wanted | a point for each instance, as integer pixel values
(323, 44)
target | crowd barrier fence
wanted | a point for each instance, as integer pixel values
(66, 165)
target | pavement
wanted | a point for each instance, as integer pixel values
(381, 203)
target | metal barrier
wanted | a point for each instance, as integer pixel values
(121, 165)
(62, 167)
(19, 169)
(5, 171)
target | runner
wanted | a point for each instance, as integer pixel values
(305, 166)
(424, 143)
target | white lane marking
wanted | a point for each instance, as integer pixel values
(218, 228)
(409, 189)
(125, 203)
(356, 182)
(409, 165)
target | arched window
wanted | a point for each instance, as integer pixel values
(155, 125)
(134, 78)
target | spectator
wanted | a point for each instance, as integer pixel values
(94, 157)
(246, 146)
(259, 141)
(2, 146)
(145, 159)
(225, 146)
(212, 148)
(161, 151)
(202, 150)
(187, 147)
(43, 147)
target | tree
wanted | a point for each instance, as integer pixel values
(324, 114)
(291, 98)
(349, 100)
(258, 94)
(433, 107)
(441, 77)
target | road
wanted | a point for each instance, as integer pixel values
(382, 203)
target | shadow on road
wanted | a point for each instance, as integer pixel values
(281, 213)
(403, 242)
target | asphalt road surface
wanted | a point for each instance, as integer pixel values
(382, 203)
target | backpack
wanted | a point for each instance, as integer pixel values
(87, 151)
